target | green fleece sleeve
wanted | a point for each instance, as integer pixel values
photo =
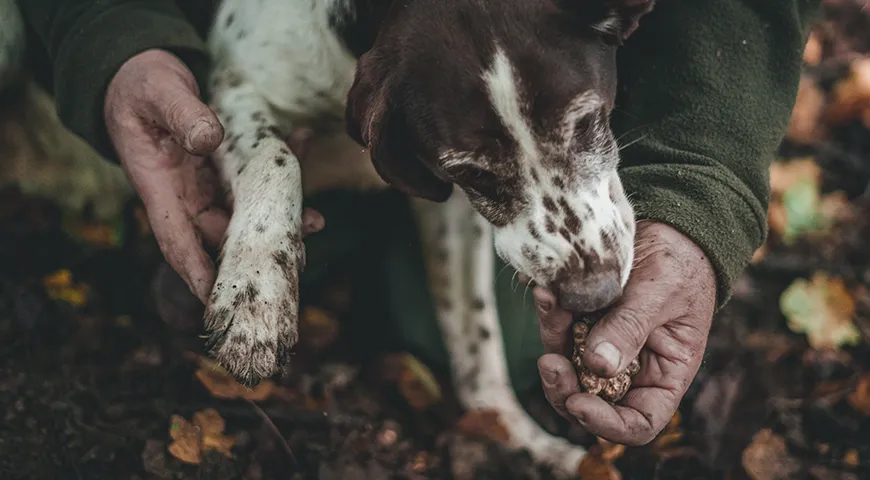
(88, 41)
(706, 89)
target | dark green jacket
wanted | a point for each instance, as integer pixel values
(707, 86)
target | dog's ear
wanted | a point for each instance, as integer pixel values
(374, 123)
(615, 20)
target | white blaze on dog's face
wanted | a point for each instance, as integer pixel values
(510, 101)
(567, 224)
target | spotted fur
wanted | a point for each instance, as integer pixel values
(474, 95)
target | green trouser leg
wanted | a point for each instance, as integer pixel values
(375, 233)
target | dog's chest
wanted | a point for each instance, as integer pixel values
(296, 55)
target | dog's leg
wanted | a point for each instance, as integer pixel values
(251, 316)
(458, 248)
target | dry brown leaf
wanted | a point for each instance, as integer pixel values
(418, 465)
(784, 175)
(822, 308)
(860, 398)
(813, 49)
(767, 458)
(759, 254)
(671, 434)
(222, 385)
(851, 458)
(318, 328)
(212, 425)
(593, 467)
(206, 431)
(851, 97)
(59, 286)
(836, 206)
(186, 445)
(483, 424)
(805, 125)
(97, 234)
(610, 452)
(417, 384)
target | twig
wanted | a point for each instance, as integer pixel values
(268, 421)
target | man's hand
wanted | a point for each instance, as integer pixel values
(665, 315)
(163, 133)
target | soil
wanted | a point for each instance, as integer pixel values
(88, 390)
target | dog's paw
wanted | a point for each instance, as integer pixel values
(251, 320)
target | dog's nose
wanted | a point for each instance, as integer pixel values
(588, 293)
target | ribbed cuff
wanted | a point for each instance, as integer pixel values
(706, 203)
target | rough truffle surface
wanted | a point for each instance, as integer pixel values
(610, 389)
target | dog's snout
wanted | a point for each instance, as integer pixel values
(579, 293)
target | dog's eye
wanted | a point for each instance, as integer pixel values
(475, 177)
(585, 125)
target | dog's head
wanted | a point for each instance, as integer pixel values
(510, 101)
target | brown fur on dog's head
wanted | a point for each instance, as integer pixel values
(508, 100)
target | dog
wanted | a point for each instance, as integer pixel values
(492, 115)
(38, 155)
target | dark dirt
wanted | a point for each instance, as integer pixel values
(88, 392)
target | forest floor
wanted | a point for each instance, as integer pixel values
(93, 385)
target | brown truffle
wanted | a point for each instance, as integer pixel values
(610, 389)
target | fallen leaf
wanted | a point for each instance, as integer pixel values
(417, 384)
(610, 452)
(785, 174)
(318, 328)
(851, 458)
(59, 286)
(205, 432)
(671, 434)
(859, 399)
(96, 234)
(850, 96)
(767, 458)
(759, 255)
(483, 423)
(186, 445)
(822, 308)
(593, 467)
(212, 425)
(418, 465)
(813, 49)
(805, 125)
(222, 385)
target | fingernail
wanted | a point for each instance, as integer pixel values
(549, 377)
(609, 353)
(544, 307)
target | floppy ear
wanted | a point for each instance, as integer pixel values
(615, 20)
(375, 124)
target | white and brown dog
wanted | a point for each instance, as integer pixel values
(508, 100)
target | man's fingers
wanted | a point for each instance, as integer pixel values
(312, 221)
(555, 323)
(188, 120)
(213, 223)
(644, 412)
(617, 338)
(559, 381)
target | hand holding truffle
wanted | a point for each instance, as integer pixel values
(662, 321)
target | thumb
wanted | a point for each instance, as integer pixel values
(618, 337)
(188, 120)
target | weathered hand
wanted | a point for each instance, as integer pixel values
(163, 134)
(665, 315)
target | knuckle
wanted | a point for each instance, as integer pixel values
(632, 326)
